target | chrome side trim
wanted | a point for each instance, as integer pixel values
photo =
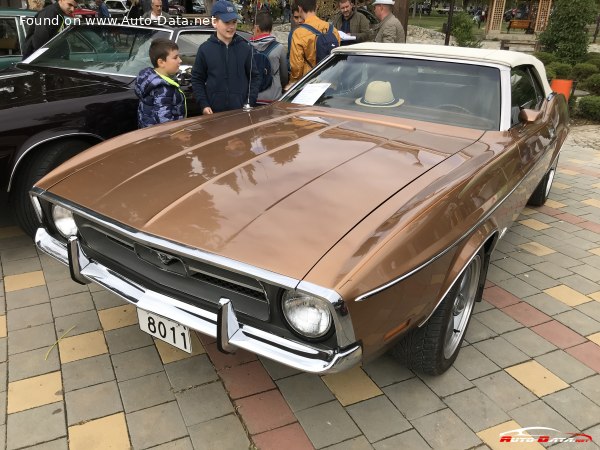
(224, 325)
(76, 260)
(43, 141)
(368, 294)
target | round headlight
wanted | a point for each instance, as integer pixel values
(64, 221)
(307, 315)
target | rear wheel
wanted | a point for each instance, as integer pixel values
(33, 169)
(432, 348)
(542, 191)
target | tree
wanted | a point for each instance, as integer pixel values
(566, 35)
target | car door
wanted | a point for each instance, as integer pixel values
(10, 41)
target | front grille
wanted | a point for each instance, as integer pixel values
(174, 275)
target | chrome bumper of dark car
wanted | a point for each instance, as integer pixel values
(224, 325)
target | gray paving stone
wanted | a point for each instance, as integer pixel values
(562, 260)
(15, 242)
(49, 423)
(547, 304)
(477, 331)
(526, 258)
(497, 275)
(358, 443)
(542, 413)
(594, 432)
(224, 433)
(456, 433)
(569, 228)
(514, 238)
(587, 235)
(590, 309)
(519, 288)
(71, 304)
(590, 387)
(104, 300)
(476, 410)
(580, 284)
(277, 371)
(27, 297)
(87, 372)
(524, 231)
(548, 241)
(378, 419)
(179, 444)
(28, 317)
(500, 351)
(78, 323)
(589, 272)
(31, 338)
(143, 392)
(60, 288)
(552, 270)
(157, 425)
(58, 444)
(544, 218)
(3, 349)
(3, 400)
(304, 391)
(92, 402)
(575, 407)
(411, 440)
(127, 338)
(498, 321)
(449, 382)
(512, 266)
(204, 403)
(327, 424)
(573, 252)
(21, 266)
(413, 398)
(593, 261)
(3, 377)
(538, 280)
(56, 272)
(528, 342)
(136, 363)
(33, 363)
(386, 370)
(190, 372)
(474, 364)
(578, 321)
(497, 254)
(13, 254)
(481, 306)
(506, 247)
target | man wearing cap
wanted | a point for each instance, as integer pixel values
(390, 29)
(224, 76)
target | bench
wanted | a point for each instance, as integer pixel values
(519, 24)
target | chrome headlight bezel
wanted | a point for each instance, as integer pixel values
(318, 309)
(37, 208)
(64, 221)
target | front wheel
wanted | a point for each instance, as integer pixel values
(542, 191)
(432, 348)
(33, 169)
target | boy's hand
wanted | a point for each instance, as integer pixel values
(207, 110)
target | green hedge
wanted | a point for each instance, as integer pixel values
(582, 71)
(592, 84)
(589, 107)
(562, 70)
(545, 57)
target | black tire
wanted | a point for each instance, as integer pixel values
(433, 348)
(542, 191)
(31, 171)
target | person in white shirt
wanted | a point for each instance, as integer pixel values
(156, 12)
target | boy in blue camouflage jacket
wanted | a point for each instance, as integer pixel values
(161, 98)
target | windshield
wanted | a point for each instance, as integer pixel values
(99, 49)
(452, 93)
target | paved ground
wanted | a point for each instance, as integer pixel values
(532, 357)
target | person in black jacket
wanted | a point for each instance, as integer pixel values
(223, 76)
(48, 23)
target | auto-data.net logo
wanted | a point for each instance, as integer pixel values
(542, 435)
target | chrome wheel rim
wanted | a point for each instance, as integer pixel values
(462, 306)
(549, 183)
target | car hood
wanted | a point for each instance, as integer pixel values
(275, 188)
(31, 86)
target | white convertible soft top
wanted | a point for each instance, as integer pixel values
(503, 57)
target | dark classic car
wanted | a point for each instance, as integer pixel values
(13, 29)
(355, 215)
(75, 92)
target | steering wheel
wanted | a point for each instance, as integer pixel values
(453, 107)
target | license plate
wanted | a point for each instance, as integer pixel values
(166, 330)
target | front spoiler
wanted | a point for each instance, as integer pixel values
(224, 326)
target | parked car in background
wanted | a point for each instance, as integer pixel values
(76, 92)
(117, 8)
(82, 12)
(12, 35)
(176, 7)
(356, 214)
(199, 7)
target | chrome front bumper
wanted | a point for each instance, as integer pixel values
(224, 326)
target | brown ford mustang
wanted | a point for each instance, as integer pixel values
(355, 215)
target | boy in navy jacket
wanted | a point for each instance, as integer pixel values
(223, 76)
(161, 98)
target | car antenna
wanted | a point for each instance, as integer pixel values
(247, 107)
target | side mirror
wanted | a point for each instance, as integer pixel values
(184, 76)
(529, 115)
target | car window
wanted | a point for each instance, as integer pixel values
(115, 5)
(9, 37)
(526, 91)
(188, 43)
(462, 94)
(101, 49)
